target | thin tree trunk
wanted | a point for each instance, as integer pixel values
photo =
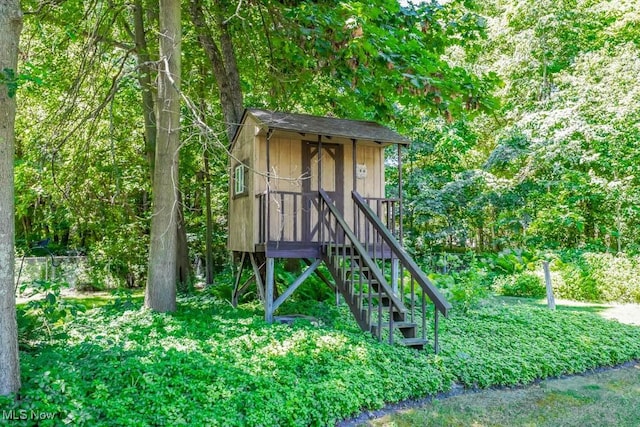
(144, 79)
(231, 67)
(223, 64)
(208, 238)
(183, 266)
(160, 294)
(10, 27)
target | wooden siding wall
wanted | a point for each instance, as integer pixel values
(286, 174)
(287, 177)
(373, 185)
(242, 232)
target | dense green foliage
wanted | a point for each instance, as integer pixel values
(599, 277)
(524, 121)
(209, 364)
(82, 161)
(467, 278)
(520, 285)
(523, 117)
(556, 165)
(518, 344)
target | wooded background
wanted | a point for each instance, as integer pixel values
(524, 117)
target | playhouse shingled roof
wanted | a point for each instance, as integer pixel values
(327, 126)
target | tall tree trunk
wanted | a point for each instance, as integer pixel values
(160, 294)
(145, 70)
(223, 63)
(10, 27)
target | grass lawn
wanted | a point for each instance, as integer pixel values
(211, 364)
(608, 398)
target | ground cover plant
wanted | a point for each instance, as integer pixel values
(210, 364)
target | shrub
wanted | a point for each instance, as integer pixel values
(525, 284)
(43, 317)
(509, 261)
(600, 277)
(464, 290)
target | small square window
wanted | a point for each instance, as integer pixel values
(239, 181)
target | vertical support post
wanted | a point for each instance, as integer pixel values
(320, 162)
(395, 269)
(551, 301)
(354, 161)
(355, 164)
(400, 230)
(267, 206)
(320, 212)
(436, 345)
(268, 301)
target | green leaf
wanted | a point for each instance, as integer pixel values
(8, 77)
(51, 298)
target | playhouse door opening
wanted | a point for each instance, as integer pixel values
(324, 170)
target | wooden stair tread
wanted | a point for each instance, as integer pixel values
(396, 324)
(408, 329)
(413, 342)
(366, 295)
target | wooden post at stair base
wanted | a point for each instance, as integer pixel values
(268, 300)
(551, 302)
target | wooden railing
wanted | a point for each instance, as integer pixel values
(358, 277)
(286, 219)
(293, 216)
(389, 211)
(408, 282)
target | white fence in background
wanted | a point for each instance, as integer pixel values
(67, 269)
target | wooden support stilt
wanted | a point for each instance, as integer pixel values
(268, 302)
(291, 289)
(258, 275)
(236, 286)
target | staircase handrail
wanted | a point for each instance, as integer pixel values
(434, 294)
(362, 252)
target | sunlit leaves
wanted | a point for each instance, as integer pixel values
(384, 58)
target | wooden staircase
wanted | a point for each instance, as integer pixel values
(373, 304)
(363, 265)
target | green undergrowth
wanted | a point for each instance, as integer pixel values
(506, 344)
(211, 364)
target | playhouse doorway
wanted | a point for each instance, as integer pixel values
(324, 168)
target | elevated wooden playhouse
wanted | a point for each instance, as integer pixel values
(313, 188)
